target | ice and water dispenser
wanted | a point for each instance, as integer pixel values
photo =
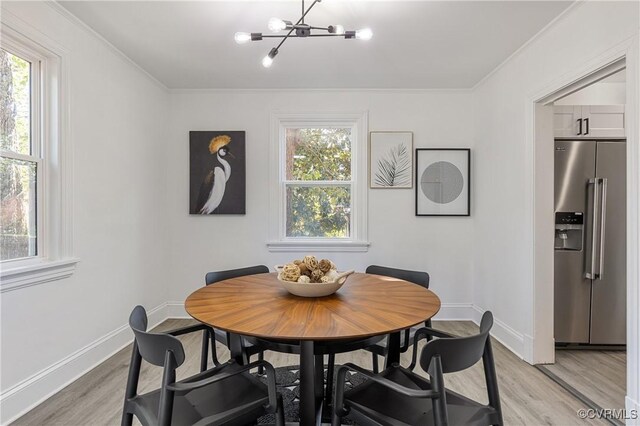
(569, 231)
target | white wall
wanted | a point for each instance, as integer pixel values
(441, 246)
(503, 262)
(118, 131)
(138, 244)
(504, 243)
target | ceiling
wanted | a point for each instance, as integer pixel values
(416, 44)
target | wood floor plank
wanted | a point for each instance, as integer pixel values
(599, 375)
(528, 396)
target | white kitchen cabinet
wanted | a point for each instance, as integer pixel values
(589, 121)
(565, 120)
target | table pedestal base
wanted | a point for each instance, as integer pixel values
(311, 384)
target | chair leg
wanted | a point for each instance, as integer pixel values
(335, 419)
(329, 391)
(374, 359)
(214, 351)
(127, 419)
(280, 412)
(204, 351)
(260, 358)
(132, 384)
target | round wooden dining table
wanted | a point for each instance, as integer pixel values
(258, 306)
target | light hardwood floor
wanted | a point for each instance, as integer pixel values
(599, 375)
(528, 396)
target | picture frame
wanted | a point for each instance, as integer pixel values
(443, 182)
(390, 160)
(217, 173)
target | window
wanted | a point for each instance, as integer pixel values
(318, 182)
(21, 159)
(35, 220)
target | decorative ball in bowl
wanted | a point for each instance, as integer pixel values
(311, 277)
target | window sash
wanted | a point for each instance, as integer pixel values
(284, 183)
(36, 105)
(33, 204)
(319, 184)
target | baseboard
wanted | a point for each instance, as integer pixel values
(176, 310)
(503, 333)
(633, 411)
(527, 350)
(455, 312)
(26, 395)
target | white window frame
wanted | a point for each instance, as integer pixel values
(357, 240)
(49, 144)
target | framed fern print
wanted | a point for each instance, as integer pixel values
(390, 160)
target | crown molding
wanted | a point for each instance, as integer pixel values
(407, 91)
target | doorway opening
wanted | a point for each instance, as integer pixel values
(580, 236)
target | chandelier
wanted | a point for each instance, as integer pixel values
(298, 30)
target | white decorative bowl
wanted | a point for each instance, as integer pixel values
(313, 289)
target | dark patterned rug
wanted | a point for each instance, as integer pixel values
(288, 381)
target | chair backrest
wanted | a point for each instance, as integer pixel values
(214, 277)
(416, 277)
(153, 347)
(458, 353)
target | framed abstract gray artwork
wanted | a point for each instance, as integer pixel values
(391, 160)
(217, 172)
(443, 182)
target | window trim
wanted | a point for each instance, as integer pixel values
(278, 241)
(54, 258)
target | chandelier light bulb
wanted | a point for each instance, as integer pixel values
(364, 34)
(276, 25)
(267, 61)
(242, 38)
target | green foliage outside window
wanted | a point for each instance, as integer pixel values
(318, 155)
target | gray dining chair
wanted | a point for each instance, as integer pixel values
(399, 396)
(226, 394)
(223, 337)
(407, 336)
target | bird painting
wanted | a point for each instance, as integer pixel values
(212, 189)
(212, 163)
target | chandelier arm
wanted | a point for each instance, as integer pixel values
(296, 36)
(299, 21)
(326, 35)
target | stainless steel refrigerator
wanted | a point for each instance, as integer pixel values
(590, 242)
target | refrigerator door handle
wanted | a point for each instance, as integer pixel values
(590, 273)
(603, 212)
